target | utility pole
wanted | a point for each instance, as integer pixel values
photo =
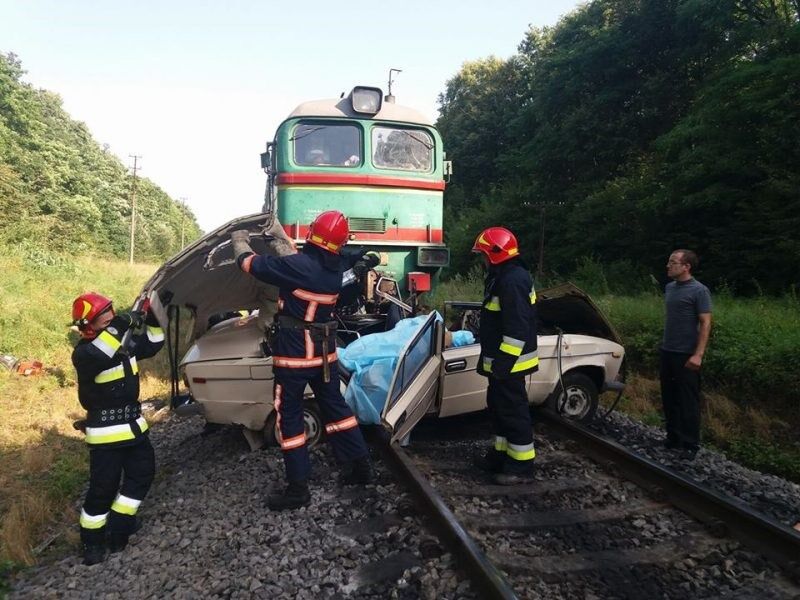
(133, 201)
(540, 266)
(183, 218)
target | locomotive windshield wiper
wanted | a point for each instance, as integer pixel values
(307, 132)
(428, 145)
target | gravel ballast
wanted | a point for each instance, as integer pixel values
(207, 533)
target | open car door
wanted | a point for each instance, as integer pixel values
(415, 383)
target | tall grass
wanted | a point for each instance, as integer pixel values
(43, 460)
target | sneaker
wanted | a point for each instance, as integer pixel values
(295, 495)
(93, 554)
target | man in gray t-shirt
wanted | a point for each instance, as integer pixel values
(686, 332)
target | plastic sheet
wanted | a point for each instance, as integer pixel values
(371, 360)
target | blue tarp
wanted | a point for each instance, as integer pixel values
(372, 359)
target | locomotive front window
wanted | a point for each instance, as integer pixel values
(405, 149)
(327, 145)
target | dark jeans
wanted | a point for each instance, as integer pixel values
(680, 395)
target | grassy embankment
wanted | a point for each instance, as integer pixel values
(43, 460)
(750, 380)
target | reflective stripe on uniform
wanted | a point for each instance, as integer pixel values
(124, 505)
(246, 263)
(117, 372)
(533, 296)
(300, 363)
(493, 304)
(500, 443)
(293, 442)
(315, 297)
(526, 361)
(92, 521)
(111, 374)
(521, 451)
(512, 346)
(342, 425)
(155, 334)
(106, 343)
(114, 433)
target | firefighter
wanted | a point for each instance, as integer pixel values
(303, 345)
(116, 431)
(508, 354)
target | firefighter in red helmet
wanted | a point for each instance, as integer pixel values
(508, 354)
(303, 345)
(116, 431)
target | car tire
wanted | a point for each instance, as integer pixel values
(312, 418)
(582, 397)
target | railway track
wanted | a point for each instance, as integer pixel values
(598, 522)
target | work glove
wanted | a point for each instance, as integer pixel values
(365, 263)
(277, 241)
(240, 241)
(371, 259)
(129, 320)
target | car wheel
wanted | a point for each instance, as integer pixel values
(581, 401)
(312, 420)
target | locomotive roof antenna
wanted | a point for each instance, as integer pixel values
(388, 97)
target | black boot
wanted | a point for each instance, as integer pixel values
(515, 472)
(492, 461)
(117, 542)
(93, 554)
(295, 495)
(357, 472)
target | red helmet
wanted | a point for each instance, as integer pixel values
(329, 231)
(498, 244)
(86, 308)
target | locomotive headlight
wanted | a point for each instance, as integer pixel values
(366, 100)
(433, 257)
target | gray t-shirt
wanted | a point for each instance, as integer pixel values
(685, 301)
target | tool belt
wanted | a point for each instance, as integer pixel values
(319, 332)
(112, 416)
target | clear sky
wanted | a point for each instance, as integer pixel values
(197, 88)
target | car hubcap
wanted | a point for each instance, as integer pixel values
(312, 428)
(577, 404)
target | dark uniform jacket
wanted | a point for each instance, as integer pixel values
(108, 382)
(308, 287)
(508, 322)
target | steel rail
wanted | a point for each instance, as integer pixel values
(775, 540)
(481, 570)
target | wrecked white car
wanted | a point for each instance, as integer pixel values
(228, 371)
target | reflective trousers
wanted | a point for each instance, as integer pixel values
(109, 507)
(680, 396)
(341, 426)
(510, 416)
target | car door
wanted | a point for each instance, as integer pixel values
(415, 382)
